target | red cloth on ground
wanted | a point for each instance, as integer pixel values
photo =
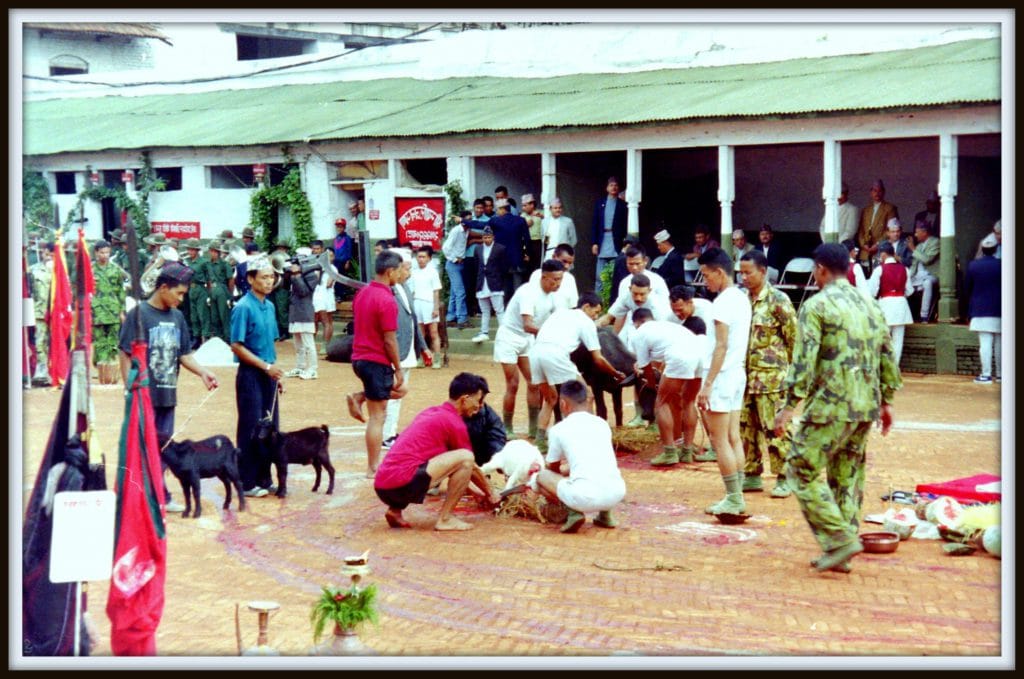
(963, 490)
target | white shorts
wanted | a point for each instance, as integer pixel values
(425, 311)
(683, 365)
(727, 391)
(585, 495)
(510, 346)
(323, 299)
(551, 365)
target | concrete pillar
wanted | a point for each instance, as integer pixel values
(463, 170)
(726, 193)
(948, 304)
(634, 189)
(317, 184)
(548, 187)
(831, 188)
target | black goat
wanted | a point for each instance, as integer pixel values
(191, 461)
(303, 446)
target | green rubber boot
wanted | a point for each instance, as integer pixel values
(668, 457)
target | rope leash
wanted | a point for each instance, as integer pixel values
(658, 566)
(188, 419)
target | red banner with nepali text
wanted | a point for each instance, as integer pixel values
(420, 221)
(176, 229)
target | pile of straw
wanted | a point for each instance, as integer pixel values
(633, 439)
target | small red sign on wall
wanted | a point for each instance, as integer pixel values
(420, 221)
(177, 229)
(374, 215)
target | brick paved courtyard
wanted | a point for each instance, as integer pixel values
(670, 582)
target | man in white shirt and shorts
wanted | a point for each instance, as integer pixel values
(682, 355)
(425, 282)
(685, 306)
(721, 397)
(530, 306)
(568, 294)
(550, 364)
(582, 470)
(639, 295)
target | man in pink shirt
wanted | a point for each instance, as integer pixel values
(435, 446)
(375, 352)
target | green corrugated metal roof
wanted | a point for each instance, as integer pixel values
(961, 72)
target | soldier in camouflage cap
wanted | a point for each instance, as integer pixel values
(107, 312)
(843, 366)
(773, 332)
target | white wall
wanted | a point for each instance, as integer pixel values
(107, 55)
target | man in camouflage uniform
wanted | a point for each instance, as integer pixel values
(219, 285)
(118, 254)
(773, 332)
(844, 367)
(198, 306)
(107, 311)
(42, 276)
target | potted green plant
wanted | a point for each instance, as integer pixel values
(346, 608)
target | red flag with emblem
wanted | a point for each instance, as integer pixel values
(85, 288)
(135, 602)
(58, 316)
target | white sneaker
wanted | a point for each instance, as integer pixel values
(294, 372)
(308, 375)
(480, 337)
(173, 506)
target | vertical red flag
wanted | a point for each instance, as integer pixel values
(135, 602)
(59, 317)
(85, 288)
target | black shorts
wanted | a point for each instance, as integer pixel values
(377, 378)
(411, 493)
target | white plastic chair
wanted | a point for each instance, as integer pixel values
(799, 266)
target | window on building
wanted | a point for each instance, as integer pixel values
(252, 47)
(231, 176)
(171, 177)
(65, 183)
(277, 172)
(428, 170)
(68, 64)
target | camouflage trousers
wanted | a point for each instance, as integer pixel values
(831, 506)
(42, 342)
(104, 343)
(757, 420)
(199, 312)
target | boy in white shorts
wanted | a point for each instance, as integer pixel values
(682, 354)
(550, 364)
(582, 470)
(426, 293)
(722, 394)
(529, 307)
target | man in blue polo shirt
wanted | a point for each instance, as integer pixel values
(253, 332)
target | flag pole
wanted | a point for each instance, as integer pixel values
(132, 239)
(78, 616)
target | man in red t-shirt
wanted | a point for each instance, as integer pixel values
(375, 352)
(434, 447)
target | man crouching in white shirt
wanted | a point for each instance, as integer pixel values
(582, 471)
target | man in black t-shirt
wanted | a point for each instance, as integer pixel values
(169, 345)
